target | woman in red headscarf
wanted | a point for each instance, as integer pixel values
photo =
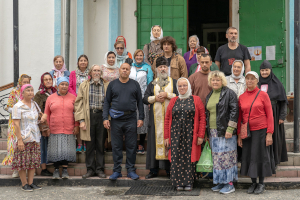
(45, 90)
(122, 39)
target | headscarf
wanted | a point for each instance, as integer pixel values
(152, 38)
(193, 51)
(276, 90)
(106, 63)
(123, 39)
(22, 90)
(14, 95)
(122, 57)
(188, 92)
(60, 73)
(242, 72)
(42, 87)
(62, 79)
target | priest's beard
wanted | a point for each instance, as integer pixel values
(162, 79)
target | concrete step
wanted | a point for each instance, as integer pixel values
(79, 169)
(80, 158)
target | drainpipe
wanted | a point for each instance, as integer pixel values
(16, 40)
(296, 75)
(67, 35)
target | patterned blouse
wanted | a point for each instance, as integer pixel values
(239, 87)
(108, 75)
(28, 121)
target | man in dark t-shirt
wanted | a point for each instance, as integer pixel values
(228, 53)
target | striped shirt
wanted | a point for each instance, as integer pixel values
(96, 98)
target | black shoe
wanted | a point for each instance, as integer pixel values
(101, 174)
(259, 189)
(150, 175)
(252, 188)
(88, 174)
(35, 187)
(27, 188)
(168, 175)
(45, 172)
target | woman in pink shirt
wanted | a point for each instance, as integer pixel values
(77, 77)
(63, 128)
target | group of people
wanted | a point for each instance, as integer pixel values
(179, 102)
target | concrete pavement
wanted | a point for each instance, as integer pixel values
(80, 193)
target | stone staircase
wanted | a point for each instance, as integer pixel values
(286, 170)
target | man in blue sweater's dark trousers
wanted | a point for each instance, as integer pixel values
(123, 97)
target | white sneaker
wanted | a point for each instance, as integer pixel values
(15, 174)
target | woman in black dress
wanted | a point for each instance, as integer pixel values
(269, 83)
(184, 133)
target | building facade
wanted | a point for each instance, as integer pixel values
(95, 24)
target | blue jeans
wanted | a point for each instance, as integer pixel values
(44, 147)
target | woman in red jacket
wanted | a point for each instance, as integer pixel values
(256, 158)
(184, 133)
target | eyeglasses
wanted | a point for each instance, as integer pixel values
(119, 48)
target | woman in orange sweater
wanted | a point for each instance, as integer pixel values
(63, 128)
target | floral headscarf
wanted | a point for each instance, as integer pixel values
(42, 87)
(14, 95)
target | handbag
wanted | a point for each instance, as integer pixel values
(205, 163)
(245, 128)
(43, 126)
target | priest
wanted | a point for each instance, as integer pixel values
(158, 95)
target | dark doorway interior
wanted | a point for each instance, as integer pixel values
(209, 21)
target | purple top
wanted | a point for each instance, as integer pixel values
(189, 62)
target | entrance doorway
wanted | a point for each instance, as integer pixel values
(209, 21)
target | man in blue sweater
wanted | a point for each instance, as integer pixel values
(123, 97)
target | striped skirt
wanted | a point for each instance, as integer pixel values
(224, 155)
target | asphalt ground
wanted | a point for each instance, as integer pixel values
(103, 192)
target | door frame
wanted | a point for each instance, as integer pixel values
(233, 16)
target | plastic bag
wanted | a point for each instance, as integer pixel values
(205, 163)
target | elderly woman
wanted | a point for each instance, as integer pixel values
(110, 70)
(153, 48)
(122, 39)
(142, 73)
(120, 52)
(256, 158)
(77, 77)
(190, 56)
(236, 81)
(184, 133)
(45, 90)
(13, 98)
(25, 114)
(221, 123)
(270, 84)
(59, 69)
(61, 145)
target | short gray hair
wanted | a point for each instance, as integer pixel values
(92, 68)
(231, 27)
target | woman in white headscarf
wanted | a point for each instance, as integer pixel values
(153, 48)
(236, 81)
(184, 133)
(110, 70)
